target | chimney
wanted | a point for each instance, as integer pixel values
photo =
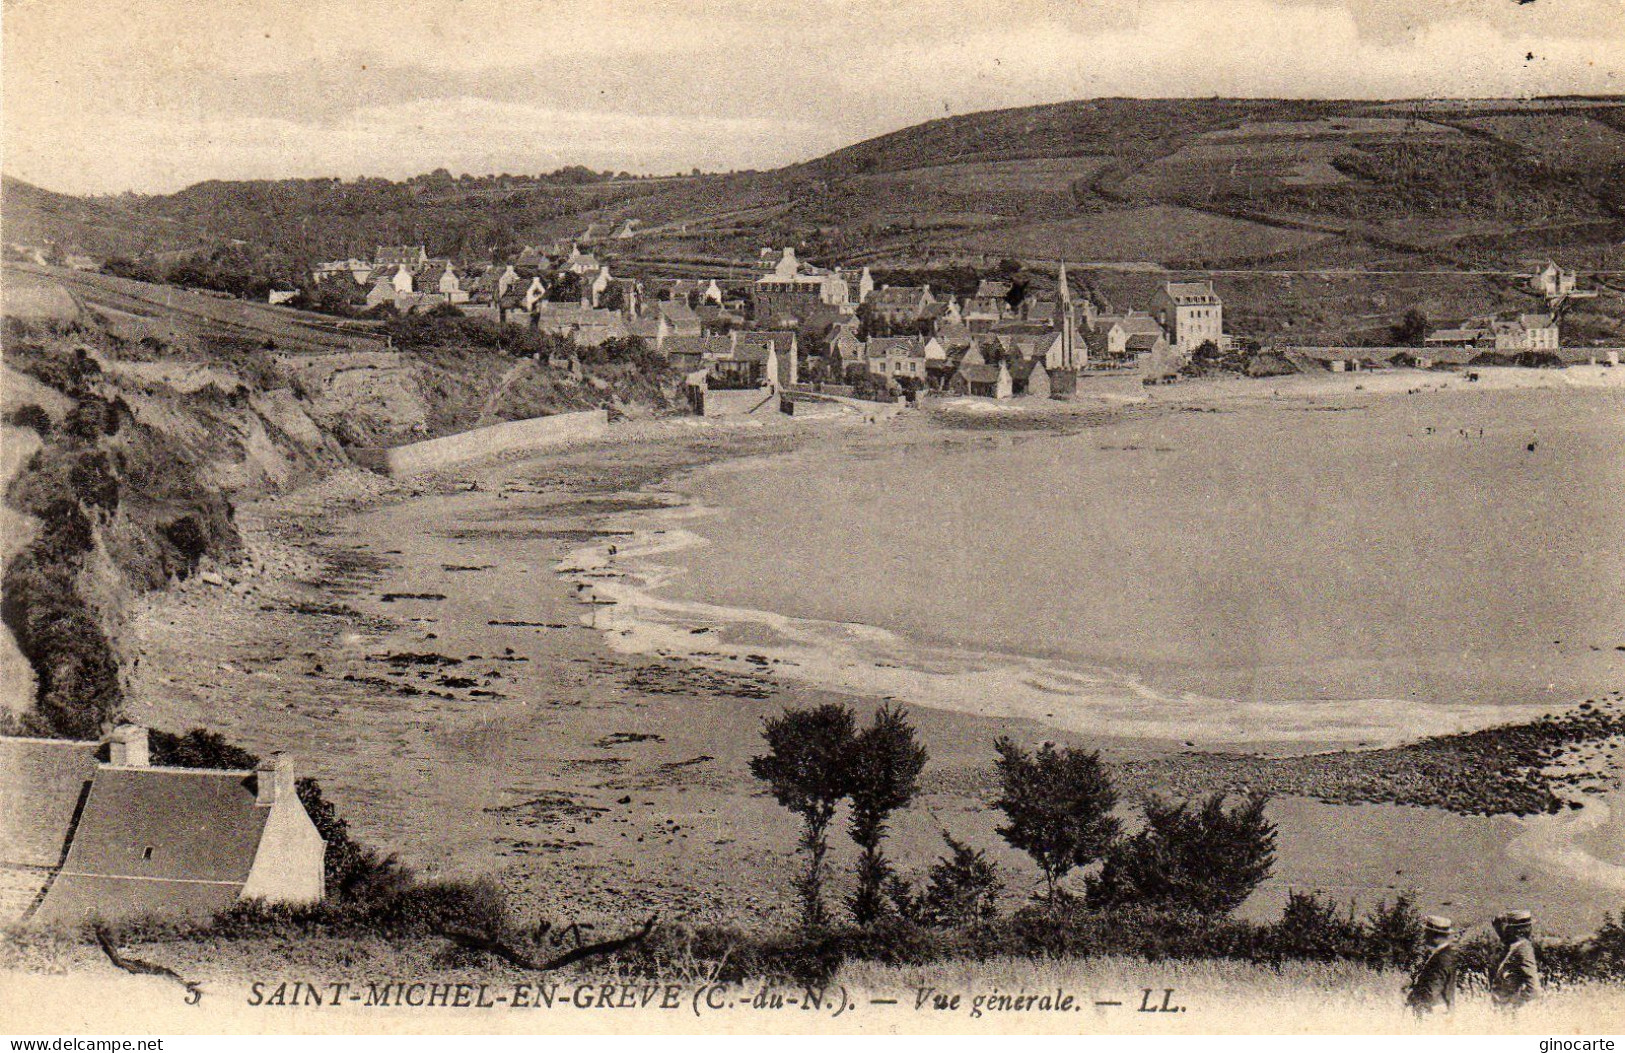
(274, 782)
(128, 748)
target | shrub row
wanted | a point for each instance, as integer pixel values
(1309, 929)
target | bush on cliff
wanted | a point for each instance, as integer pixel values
(76, 673)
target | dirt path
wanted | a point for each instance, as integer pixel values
(515, 371)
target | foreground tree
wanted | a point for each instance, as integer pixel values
(886, 766)
(1058, 804)
(808, 768)
(1204, 858)
(964, 887)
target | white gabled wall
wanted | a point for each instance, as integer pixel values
(288, 866)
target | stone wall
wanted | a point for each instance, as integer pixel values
(737, 403)
(535, 433)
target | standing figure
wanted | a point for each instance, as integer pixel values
(1434, 984)
(1516, 978)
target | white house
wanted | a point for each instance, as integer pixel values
(1190, 313)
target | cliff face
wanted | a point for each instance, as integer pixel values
(124, 458)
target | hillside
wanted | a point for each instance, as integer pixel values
(97, 226)
(138, 416)
(1182, 183)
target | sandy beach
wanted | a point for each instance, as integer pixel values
(415, 646)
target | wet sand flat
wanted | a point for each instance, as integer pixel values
(478, 723)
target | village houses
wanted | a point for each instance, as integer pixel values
(1004, 341)
(903, 357)
(899, 305)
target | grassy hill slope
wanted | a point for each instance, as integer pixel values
(1195, 183)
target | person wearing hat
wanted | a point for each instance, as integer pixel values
(1516, 978)
(1434, 984)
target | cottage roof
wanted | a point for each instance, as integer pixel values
(980, 373)
(202, 824)
(41, 782)
(435, 269)
(752, 350)
(1022, 329)
(1022, 369)
(1143, 341)
(1535, 321)
(900, 295)
(558, 315)
(1133, 322)
(177, 840)
(712, 315)
(883, 346)
(489, 277)
(1026, 345)
(976, 352)
(783, 338)
(757, 345)
(1189, 293)
(676, 287)
(676, 312)
(706, 346)
(646, 327)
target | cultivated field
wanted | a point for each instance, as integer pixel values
(1038, 176)
(161, 311)
(1158, 233)
(1569, 140)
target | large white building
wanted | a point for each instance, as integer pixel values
(1190, 313)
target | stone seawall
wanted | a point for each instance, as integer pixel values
(740, 403)
(483, 442)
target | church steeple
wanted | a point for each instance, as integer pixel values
(1068, 327)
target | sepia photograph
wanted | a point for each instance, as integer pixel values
(1051, 518)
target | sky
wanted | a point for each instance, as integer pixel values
(104, 96)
